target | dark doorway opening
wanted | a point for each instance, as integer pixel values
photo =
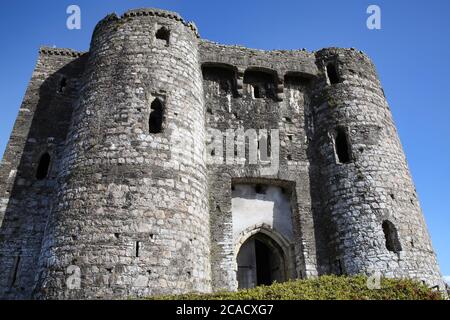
(263, 272)
(260, 262)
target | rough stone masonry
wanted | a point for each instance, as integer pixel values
(97, 201)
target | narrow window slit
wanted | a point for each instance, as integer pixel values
(256, 92)
(138, 247)
(155, 122)
(62, 85)
(340, 268)
(16, 271)
(43, 166)
(342, 146)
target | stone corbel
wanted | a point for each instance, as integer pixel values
(280, 89)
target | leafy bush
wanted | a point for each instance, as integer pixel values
(324, 288)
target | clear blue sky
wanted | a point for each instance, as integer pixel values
(411, 52)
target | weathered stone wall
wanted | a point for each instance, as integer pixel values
(140, 213)
(286, 110)
(375, 185)
(132, 206)
(41, 127)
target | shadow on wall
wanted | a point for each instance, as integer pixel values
(33, 189)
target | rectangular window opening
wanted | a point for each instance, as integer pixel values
(138, 247)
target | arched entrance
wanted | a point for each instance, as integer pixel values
(261, 261)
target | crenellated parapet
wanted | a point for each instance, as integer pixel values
(145, 12)
(161, 13)
(50, 51)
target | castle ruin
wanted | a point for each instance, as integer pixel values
(100, 199)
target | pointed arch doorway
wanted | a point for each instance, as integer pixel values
(261, 261)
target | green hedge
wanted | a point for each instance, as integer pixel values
(324, 288)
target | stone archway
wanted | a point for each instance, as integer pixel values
(262, 257)
(260, 262)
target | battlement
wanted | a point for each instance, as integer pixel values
(50, 51)
(108, 159)
(149, 12)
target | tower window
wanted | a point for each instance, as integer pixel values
(43, 166)
(156, 116)
(16, 271)
(256, 92)
(62, 85)
(333, 75)
(342, 146)
(391, 236)
(138, 247)
(163, 34)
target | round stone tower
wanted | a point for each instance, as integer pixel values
(131, 216)
(367, 191)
